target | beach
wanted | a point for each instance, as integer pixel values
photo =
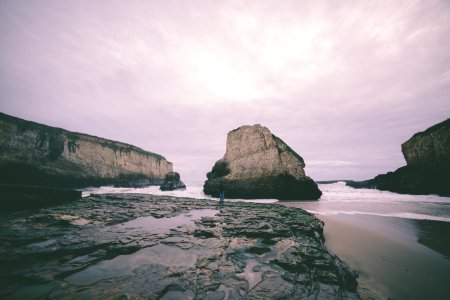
(390, 261)
(398, 244)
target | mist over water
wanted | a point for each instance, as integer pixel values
(337, 199)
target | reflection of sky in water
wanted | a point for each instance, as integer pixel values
(336, 199)
(159, 255)
(161, 225)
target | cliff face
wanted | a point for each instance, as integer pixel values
(252, 151)
(430, 148)
(258, 164)
(32, 153)
(427, 155)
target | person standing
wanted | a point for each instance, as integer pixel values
(221, 192)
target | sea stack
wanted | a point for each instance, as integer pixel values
(427, 169)
(172, 182)
(259, 165)
(39, 155)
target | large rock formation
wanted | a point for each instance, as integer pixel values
(36, 154)
(257, 164)
(427, 155)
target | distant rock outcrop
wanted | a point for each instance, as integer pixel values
(172, 182)
(36, 154)
(427, 155)
(257, 164)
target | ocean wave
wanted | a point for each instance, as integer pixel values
(402, 215)
(337, 198)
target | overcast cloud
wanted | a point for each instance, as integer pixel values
(343, 83)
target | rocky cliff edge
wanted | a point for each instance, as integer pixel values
(36, 154)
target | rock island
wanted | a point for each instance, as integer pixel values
(259, 165)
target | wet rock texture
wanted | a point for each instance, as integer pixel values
(259, 165)
(427, 155)
(155, 247)
(36, 154)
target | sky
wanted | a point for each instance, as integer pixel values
(343, 83)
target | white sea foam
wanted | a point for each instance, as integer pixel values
(195, 191)
(404, 215)
(337, 198)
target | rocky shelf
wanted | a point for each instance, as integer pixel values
(158, 247)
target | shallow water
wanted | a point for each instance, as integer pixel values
(399, 244)
(388, 257)
(162, 225)
(125, 265)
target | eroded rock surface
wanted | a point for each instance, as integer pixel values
(36, 154)
(133, 246)
(427, 155)
(430, 148)
(257, 164)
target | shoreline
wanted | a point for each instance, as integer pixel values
(395, 258)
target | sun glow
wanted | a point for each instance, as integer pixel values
(263, 60)
(221, 78)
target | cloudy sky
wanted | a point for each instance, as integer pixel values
(343, 84)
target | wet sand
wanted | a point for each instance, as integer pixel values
(390, 255)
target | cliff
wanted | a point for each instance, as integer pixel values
(430, 148)
(257, 164)
(427, 155)
(36, 154)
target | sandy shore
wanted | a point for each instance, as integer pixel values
(388, 256)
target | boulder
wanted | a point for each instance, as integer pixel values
(427, 155)
(259, 165)
(172, 182)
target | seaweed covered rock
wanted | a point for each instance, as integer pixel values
(172, 182)
(257, 164)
